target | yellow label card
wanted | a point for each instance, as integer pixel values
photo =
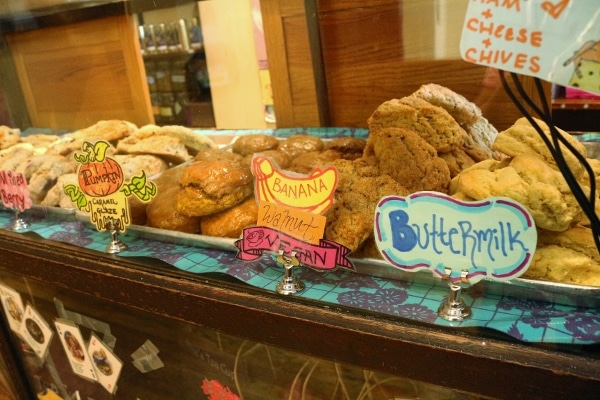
(301, 225)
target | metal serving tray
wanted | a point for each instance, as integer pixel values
(521, 288)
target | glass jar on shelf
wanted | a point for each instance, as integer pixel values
(178, 75)
(167, 108)
(161, 34)
(163, 76)
(151, 76)
(149, 39)
(195, 34)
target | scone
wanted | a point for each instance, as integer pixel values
(463, 111)
(409, 159)
(254, 143)
(231, 222)
(209, 187)
(9, 136)
(305, 163)
(523, 139)
(193, 142)
(360, 187)
(170, 148)
(280, 158)
(300, 144)
(528, 180)
(108, 130)
(350, 148)
(432, 123)
(162, 213)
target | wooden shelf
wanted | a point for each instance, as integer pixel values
(575, 104)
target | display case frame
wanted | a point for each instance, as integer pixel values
(476, 362)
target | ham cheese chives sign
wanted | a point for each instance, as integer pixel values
(493, 239)
(554, 40)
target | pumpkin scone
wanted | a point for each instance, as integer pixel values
(213, 186)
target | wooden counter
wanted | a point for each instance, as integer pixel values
(475, 362)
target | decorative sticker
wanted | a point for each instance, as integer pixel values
(311, 193)
(36, 332)
(289, 216)
(102, 191)
(106, 364)
(13, 307)
(493, 238)
(555, 40)
(72, 341)
(13, 191)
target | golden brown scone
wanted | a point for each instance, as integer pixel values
(409, 159)
(305, 163)
(457, 161)
(9, 136)
(578, 238)
(561, 264)
(530, 181)
(351, 148)
(170, 148)
(213, 186)
(193, 142)
(249, 144)
(299, 144)
(280, 158)
(360, 187)
(368, 249)
(522, 138)
(162, 213)
(462, 110)
(432, 123)
(217, 154)
(231, 222)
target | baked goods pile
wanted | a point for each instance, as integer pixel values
(47, 161)
(434, 139)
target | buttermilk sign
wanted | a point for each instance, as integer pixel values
(493, 239)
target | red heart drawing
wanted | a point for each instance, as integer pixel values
(555, 10)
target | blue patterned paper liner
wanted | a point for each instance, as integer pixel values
(525, 320)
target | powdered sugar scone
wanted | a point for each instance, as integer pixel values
(464, 111)
(194, 142)
(9, 136)
(432, 123)
(169, 148)
(110, 130)
(522, 139)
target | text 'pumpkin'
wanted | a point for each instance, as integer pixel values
(100, 178)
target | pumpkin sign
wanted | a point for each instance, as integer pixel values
(103, 178)
(102, 191)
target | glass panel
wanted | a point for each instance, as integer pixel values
(167, 359)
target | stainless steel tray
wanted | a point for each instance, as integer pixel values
(521, 288)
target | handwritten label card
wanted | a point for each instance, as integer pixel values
(102, 190)
(289, 216)
(14, 192)
(555, 40)
(493, 238)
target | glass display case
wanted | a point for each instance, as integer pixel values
(173, 317)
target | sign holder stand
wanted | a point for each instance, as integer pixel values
(453, 308)
(290, 283)
(19, 223)
(116, 245)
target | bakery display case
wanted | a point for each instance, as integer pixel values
(148, 257)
